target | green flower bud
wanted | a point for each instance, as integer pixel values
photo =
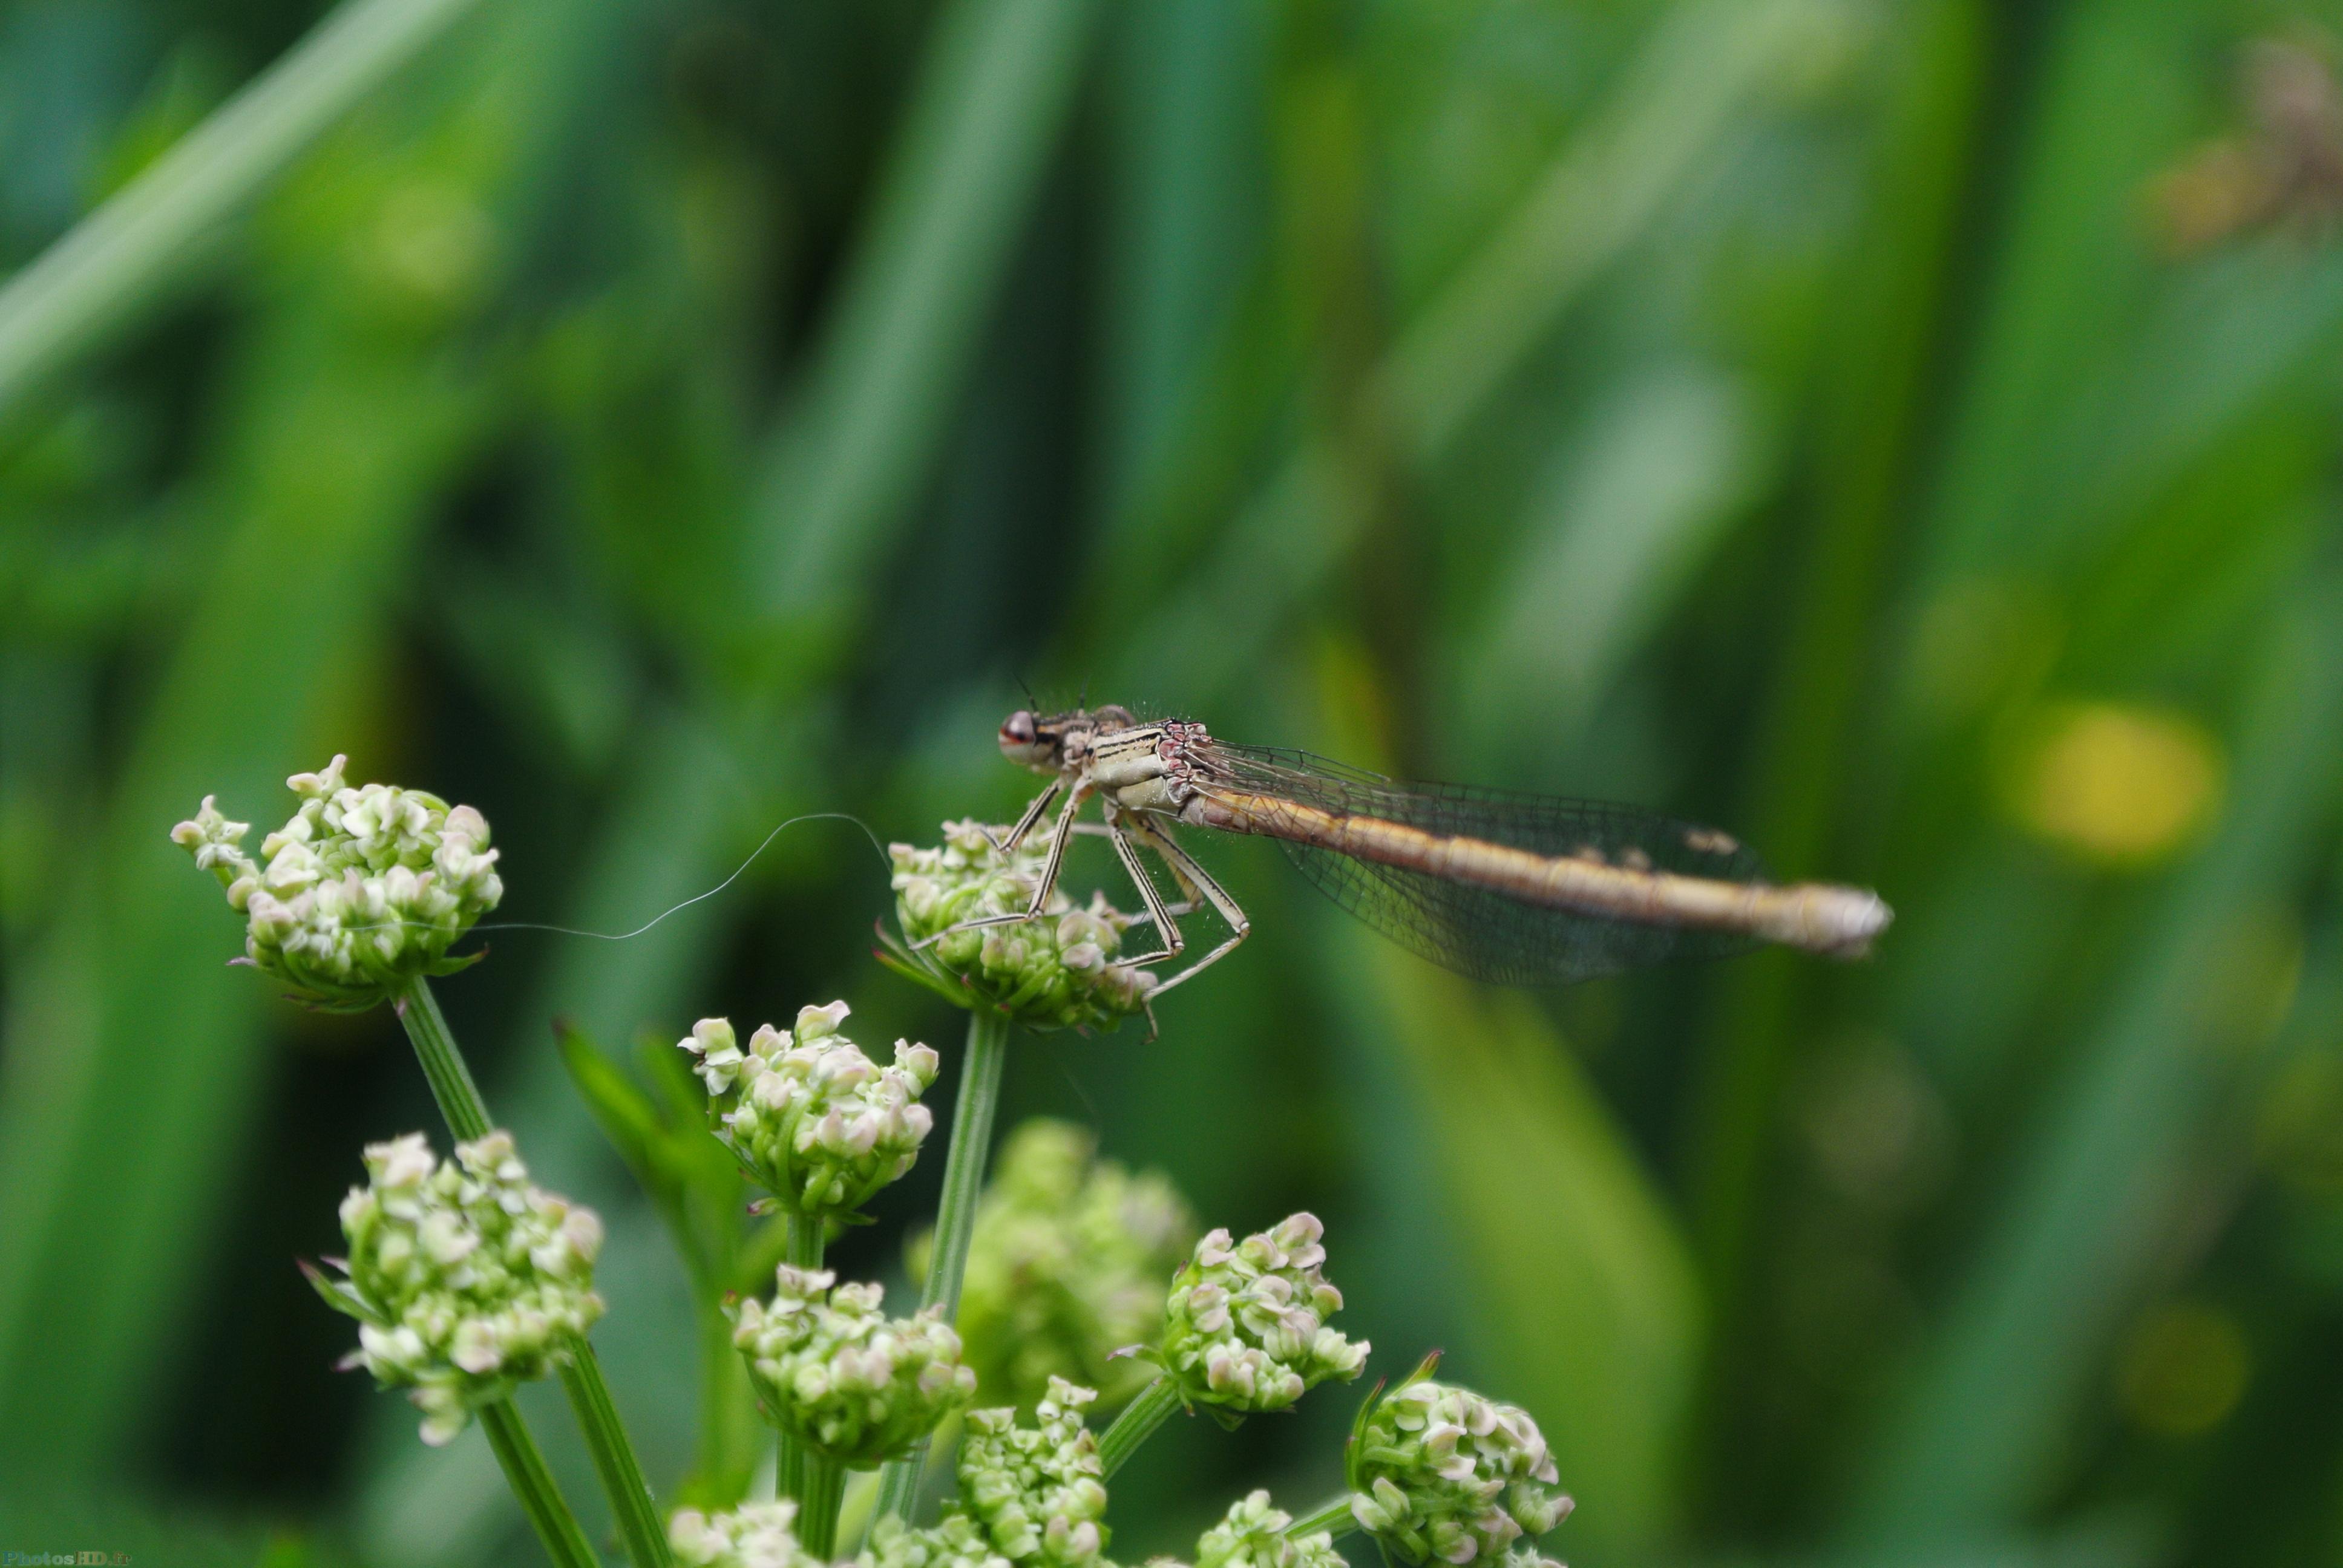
(1056, 972)
(1253, 1535)
(1065, 1267)
(1440, 1472)
(1245, 1327)
(958, 1542)
(753, 1535)
(363, 890)
(810, 1117)
(1035, 1490)
(466, 1281)
(843, 1376)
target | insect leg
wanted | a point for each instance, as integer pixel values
(1059, 836)
(1167, 929)
(1008, 846)
(1197, 883)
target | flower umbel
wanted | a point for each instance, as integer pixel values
(1034, 1490)
(1066, 1267)
(843, 1377)
(1246, 1326)
(753, 1535)
(1056, 972)
(1440, 1472)
(1254, 1536)
(365, 887)
(812, 1120)
(957, 1541)
(466, 1280)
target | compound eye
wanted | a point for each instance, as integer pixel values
(1019, 728)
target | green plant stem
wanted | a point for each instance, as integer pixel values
(972, 1137)
(1333, 1516)
(1136, 1425)
(818, 1506)
(796, 1469)
(460, 1105)
(614, 1458)
(467, 1115)
(524, 1466)
(123, 255)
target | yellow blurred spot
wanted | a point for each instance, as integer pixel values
(2118, 783)
(2183, 1369)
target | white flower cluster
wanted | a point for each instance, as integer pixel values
(1440, 1472)
(1057, 971)
(958, 1541)
(1036, 1490)
(1246, 1326)
(753, 1535)
(1066, 1267)
(466, 1280)
(364, 890)
(817, 1123)
(1253, 1535)
(847, 1380)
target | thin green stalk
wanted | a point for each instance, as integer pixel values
(972, 1137)
(859, 1504)
(614, 1459)
(1136, 1425)
(467, 1115)
(818, 1505)
(525, 1471)
(796, 1468)
(460, 1105)
(124, 253)
(1333, 1516)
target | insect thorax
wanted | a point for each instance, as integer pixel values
(1149, 767)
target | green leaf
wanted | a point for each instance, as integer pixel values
(135, 247)
(341, 1295)
(622, 1110)
(1573, 1271)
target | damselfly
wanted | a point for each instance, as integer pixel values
(1516, 889)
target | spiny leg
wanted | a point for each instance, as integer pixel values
(1167, 929)
(1008, 846)
(1197, 883)
(1059, 835)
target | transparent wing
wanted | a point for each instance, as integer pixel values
(1479, 932)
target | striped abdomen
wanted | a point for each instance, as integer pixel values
(1815, 917)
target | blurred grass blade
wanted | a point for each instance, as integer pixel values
(130, 250)
(2079, 1235)
(984, 119)
(1684, 93)
(114, 1187)
(1706, 63)
(1635, 502)
(2071, 274)
(1185, 81)
(1880, 358)
(1581, 1288)
(120, 1134)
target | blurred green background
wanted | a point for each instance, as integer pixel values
(1904, 434)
